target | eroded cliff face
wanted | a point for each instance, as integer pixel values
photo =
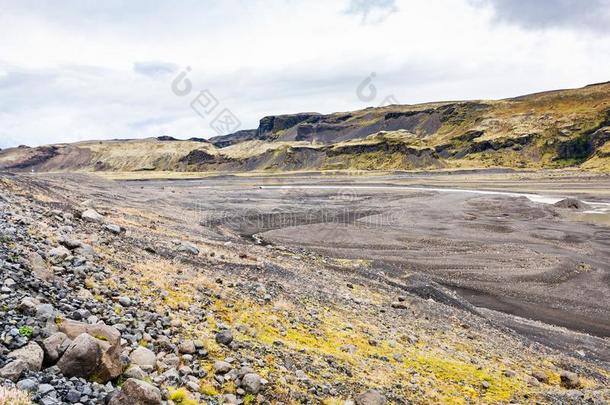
(234, 138)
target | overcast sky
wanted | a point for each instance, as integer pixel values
(75, 70)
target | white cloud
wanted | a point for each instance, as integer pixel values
(77, 70)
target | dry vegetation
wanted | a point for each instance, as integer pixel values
(143, 155)
(547, 130)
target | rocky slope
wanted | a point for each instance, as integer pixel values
(556, 129)
(109, 296)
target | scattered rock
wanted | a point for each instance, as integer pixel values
(71, 244)
(533, 382)
(45, 389)
(301, 376)
(54, 346)
(92, 215)
(187, 347)
(187, 247)
(230, 399)
(541, 376)
(399, 305)
(251, 383)
(82, 357)
(371, 398)
(58, 254)
(221, 367)
(224, 337)
(143, 357)
(113, 228)
(39, 267)
(137, 392)
(28, 385)
(45, 312)
(351, 349)
(73, 396)
(569, 380)
(13, 370)
(171, 360)
(125, 301)
(509, 373)
(28, 305)
(193, 386)
(9, 283)
(108, 339)
(135, 372)
(32, 355)
(85, 251)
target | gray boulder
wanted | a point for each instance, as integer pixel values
(28, 385)
(251, 383)
(170, 361)
(187, 347)
(85, 250)
(187, 247)
(371, 397)
(31, 354)
(125, 301)
(224, 337)
(171, 376)
(71, 243)
(45, 312)
(82, 357)
(39, 267)
(108, 339)
(144, 358)
(13, 370)
(46, 389)
(137, 392)
(92, 215)
(113, 228)
(221, 367)
(135, 372)
(230, 399)
(28, 305)
(58, 255)
(540, 376)
(569, 380)
(9, 283)
(54, 346)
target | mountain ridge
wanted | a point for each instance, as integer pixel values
(552, 129)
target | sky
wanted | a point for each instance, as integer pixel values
(83, 69)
